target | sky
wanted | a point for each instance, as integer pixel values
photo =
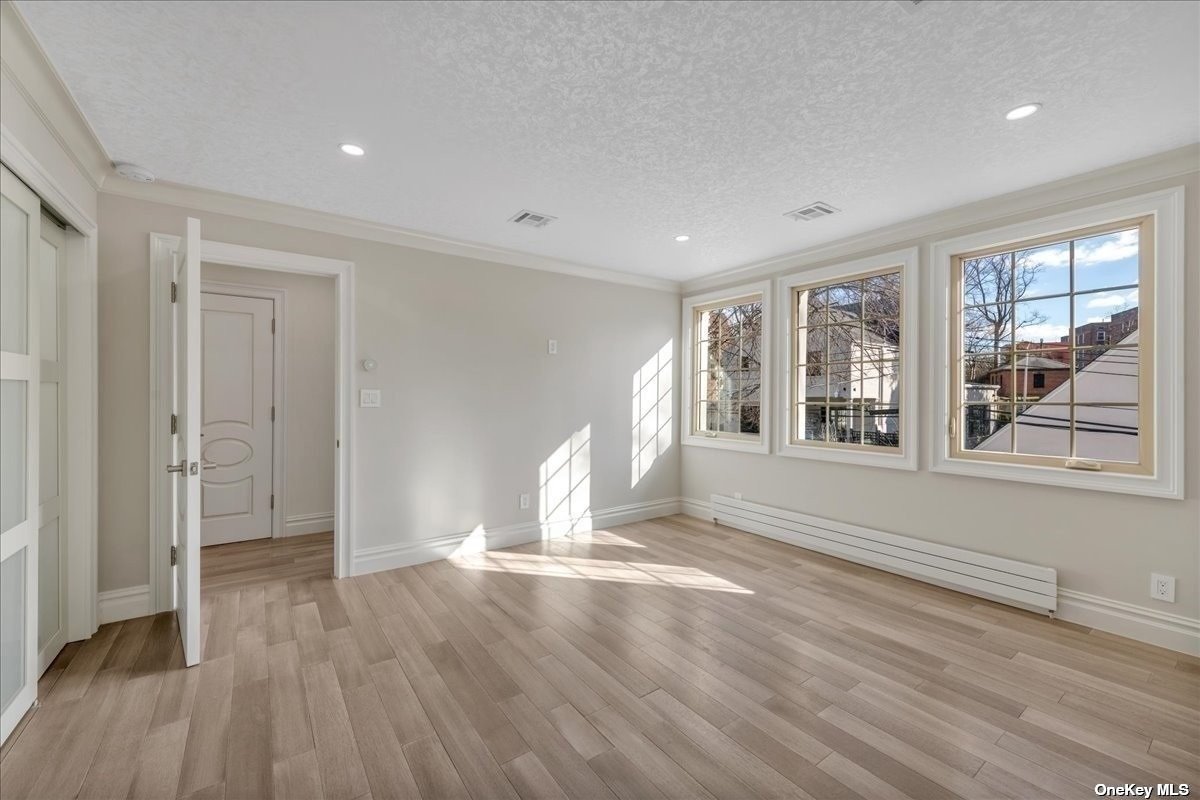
(1101, 263)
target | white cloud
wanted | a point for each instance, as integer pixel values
(1098, 319)
(1042, 332)
(1059, 256)
(1106, 301)
(1110, 248)
(1089, 252)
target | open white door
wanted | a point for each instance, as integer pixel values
(20, 244)
(186, 294)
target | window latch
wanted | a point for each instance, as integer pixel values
(1084, 464)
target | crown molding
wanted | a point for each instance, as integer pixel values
(214, 202)
(995, 210)
(29, 69)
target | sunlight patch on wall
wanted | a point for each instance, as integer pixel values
(565, 490)
(651, 435)
(476, 542)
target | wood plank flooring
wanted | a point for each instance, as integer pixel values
(664, 659)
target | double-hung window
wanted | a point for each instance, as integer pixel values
(726, 393)
(1088, 303)
(850, 361)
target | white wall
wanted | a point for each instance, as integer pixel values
(472, 404)
(1101, 544)
(308, 329)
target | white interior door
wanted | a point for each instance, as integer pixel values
(187, 441)
(52, 525)
(20, 243)
(238, 371)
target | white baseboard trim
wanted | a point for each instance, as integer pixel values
(394, 556)
(120, 604)
(695, 508)
(301, 524)
(1150, 625)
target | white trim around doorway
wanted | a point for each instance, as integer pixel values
(161, 247)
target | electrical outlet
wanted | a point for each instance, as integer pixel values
(1162, 587)
(552, 346)
(523, 501)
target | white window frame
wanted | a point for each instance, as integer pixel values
(904, 457)
(1166, 476)
(688, 435)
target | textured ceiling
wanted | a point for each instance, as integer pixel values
(630, 122)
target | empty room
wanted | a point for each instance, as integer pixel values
(597, 400)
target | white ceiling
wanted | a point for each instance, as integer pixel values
(630, 122)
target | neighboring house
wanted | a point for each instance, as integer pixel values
(733, 392)
(1107, 432)
(852, 379)
(1104, 333)
(1032, 378)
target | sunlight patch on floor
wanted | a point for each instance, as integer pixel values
(595, 569)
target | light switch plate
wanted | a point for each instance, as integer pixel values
(370, 398)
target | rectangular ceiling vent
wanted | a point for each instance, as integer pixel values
(532, 219)
(811, 211)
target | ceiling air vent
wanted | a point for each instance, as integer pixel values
(532, 219)
(810, 212)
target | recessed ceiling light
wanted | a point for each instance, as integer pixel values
(683, 237)
(352, 149)
(1021, 112)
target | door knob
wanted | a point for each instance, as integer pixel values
(180, 467)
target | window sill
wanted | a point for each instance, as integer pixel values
(1122, 483)
(843, 455)
(717, 443)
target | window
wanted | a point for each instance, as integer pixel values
(1090, 300)
(726, 395)
(1015, 298)
(851, 343)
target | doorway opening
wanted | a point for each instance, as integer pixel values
(267, 426)
(180, 467)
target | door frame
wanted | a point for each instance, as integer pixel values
(279, 347)
(82, 406)
(235, 255)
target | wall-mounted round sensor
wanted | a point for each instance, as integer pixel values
(369, 364)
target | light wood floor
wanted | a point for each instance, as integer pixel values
(242, 565)
(670, 658)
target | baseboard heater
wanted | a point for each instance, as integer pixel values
(1015, 583)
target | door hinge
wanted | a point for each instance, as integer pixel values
(272, 413)
(174, 291)
(272, 501)
(174, 555)
(174, 424)
(272, 325)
